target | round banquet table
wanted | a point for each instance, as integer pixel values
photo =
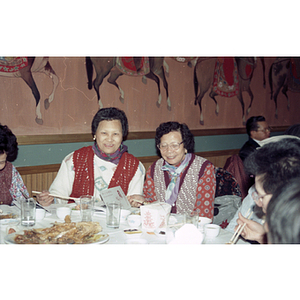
(116, 236)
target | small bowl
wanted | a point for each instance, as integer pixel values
(202, 222)
(62, 212)
(212, 230)
(124, 214)
(134, 221)
(39, 214)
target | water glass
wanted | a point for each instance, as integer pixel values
(86, 208)
(113, 215)
(28, 212)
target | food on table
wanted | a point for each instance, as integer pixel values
(11, 230)
(8, 216)
(132, 231)
(62, 233)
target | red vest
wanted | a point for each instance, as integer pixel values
(83, 160)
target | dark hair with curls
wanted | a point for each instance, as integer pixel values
(251, 124)
(187, 136)
(276, 162)
(8, 143)
(110, 114)
(283, 214)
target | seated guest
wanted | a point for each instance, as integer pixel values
(293, 130)
(11, 184)
(180, 178)
(283, 214)
(257, 129)
(273, 164)
(106, 164)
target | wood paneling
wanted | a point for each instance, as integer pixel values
(38, 178)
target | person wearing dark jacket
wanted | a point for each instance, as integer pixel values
(257, 130)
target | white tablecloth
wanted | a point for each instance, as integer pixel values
(116, 236)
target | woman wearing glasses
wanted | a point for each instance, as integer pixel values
(184, 180)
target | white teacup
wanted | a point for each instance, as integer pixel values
(134, 221)
(124, 214)
(212, 230)
(202, 222)
(62, 212)
(39, 214)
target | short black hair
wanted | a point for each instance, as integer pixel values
(293, 130)
(187, 136)
(251, 124)
(8, 143)
(277, 162)
(110, 114)
(283, 214)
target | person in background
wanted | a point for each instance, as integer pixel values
(257, 129)
(184, 180)
(293, 130)
(11, 183)
(106, 164)
(283, 214)
(273, 164)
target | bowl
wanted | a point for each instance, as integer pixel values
(134, 221)
(124, 214)
(202, 222)
(62, 212)
(39, 214)
(211, 230)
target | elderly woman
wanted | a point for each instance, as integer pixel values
(181, 178)
(106, 164)
(11, 183)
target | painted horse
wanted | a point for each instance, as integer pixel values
(225, 77)
(24, 67)
(118, 66)
(284, 75)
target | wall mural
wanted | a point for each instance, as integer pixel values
(227, 91)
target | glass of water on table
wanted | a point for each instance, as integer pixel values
(86, 208)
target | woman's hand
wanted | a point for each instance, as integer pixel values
(134, 203)
(44, 199)
(253, 231)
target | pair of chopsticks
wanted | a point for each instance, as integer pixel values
(239, 230)
(58, 196)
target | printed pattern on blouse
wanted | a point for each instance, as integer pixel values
(196, 194)
(17, 185)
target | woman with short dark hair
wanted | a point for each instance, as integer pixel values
(184, 180)
(11, 182)
(106, 164)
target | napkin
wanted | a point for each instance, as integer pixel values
(187, 234)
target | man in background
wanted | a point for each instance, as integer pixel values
(257, 130)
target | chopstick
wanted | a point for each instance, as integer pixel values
(239, 229)
(57, 196)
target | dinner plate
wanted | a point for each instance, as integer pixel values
(103, 238)
(9, 221)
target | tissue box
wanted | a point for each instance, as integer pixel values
(155, 215)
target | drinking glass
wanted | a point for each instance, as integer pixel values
(86, 208)
(28, 212)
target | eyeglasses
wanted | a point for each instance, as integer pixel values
(264, 130)
(173, 146)
(257, 197)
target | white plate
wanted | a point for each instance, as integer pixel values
(10, 238)
(9, 221)
(136, 241)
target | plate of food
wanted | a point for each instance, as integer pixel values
(9, 218)
(133, 232)
(60, 233)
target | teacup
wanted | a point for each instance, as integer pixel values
(62, 212)
(39, 214)
(212, 230)
(202, 222)
(134, 221)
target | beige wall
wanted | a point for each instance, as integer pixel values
(74, 105)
